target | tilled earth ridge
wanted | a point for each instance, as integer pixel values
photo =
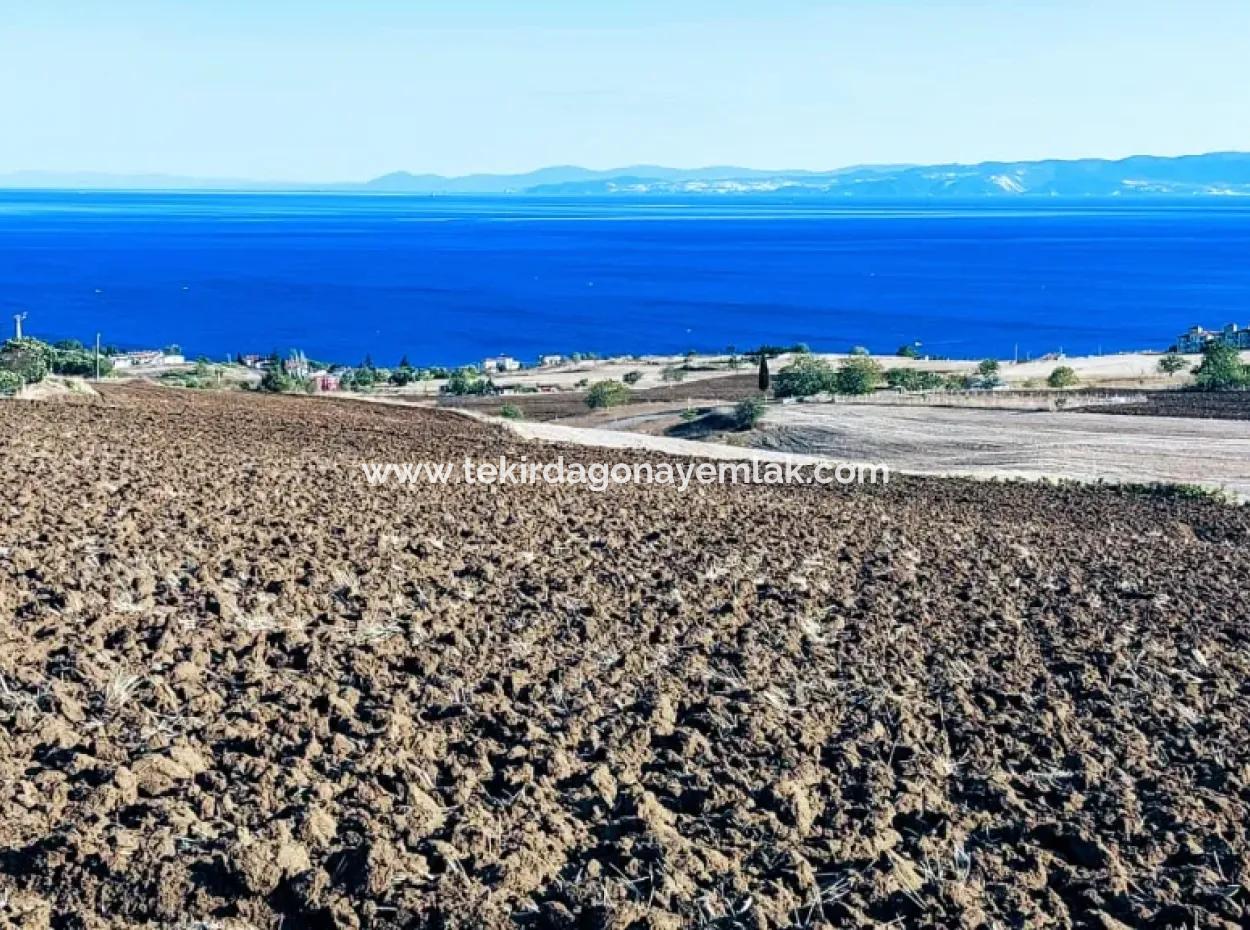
(1213, 405)
(241, 687)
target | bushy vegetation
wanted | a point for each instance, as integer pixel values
(907, 351)
(1221, 369)
(1062, 377)
(33, 359)
(277, 381)
(858, 375)
(605, 394)
(859, 350)
(28, 359)
(805, 376)
(1172, 363)
(511, 412)
(911, 379)
(764, 378)
(9, 383)
(632, 377)
(748, 412)
(673, 374)
(468, 381)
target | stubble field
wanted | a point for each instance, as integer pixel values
(241, 687)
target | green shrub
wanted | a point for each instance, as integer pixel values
(911, 379)
(277, 381)
(632, 377)
(748, 412)
(907, 351)
(857, 376)
(1062, 377)
(1221, 369)
(9, 383)
(511, 412)
(673, 374)
(859, 350)
(805, 376)
(29, 359)
(604, 394)
(1171, 363)
(468, 381)
(988, 369)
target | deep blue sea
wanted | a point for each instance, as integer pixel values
(450, 280)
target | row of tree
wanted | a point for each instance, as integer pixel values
(29, 360)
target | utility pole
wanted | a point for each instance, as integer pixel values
(97, 356)
(17, 324)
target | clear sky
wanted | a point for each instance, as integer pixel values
(346, 90)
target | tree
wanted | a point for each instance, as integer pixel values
(605, 394)
(988, 368)
(857, 376)
(468, 381)
(402, 375)
(1062, 377)
(805, 376)
(29, 359)
(859, 350)
(511, 412)
(1172, 363)
(764, 378)
(632, 377)
(673, 374)
(748, 412)
(1221, 368)
(907, 351)
(277, 381)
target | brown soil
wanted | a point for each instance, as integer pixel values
(238, 685)
(546, 407)
(1207, 405)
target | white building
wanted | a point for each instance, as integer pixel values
(550, 361)
(501, 363)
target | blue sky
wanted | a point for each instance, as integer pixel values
(320, 90)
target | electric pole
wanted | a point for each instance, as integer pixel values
(97, 356)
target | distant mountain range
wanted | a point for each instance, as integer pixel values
(1216, 174)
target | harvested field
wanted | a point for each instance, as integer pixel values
(1023, 444)
(1205, 405)
(241, 687)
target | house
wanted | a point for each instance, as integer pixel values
(254, 361)
(500, 363)
(1195, 339)
(143, 358)
(323, 381)
(550, 361)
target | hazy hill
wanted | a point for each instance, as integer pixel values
(1216, 174)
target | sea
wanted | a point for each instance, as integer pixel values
(450, 280)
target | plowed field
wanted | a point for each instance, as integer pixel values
(239, 686)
